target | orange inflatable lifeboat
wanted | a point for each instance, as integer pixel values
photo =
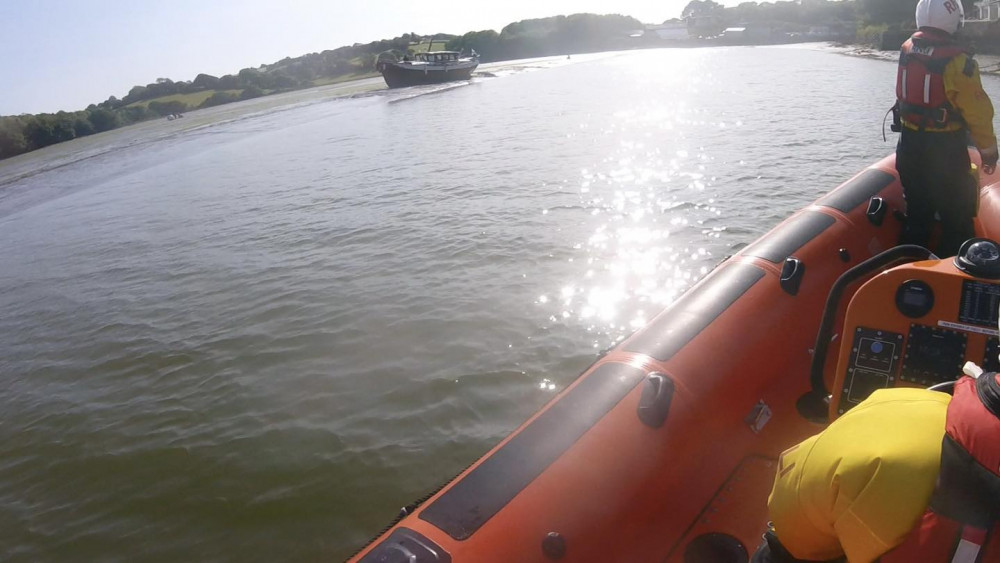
(665, 448)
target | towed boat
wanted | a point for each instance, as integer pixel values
(432, 67)
(666, 447)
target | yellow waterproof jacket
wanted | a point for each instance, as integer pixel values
(860, 486)
(964, 91)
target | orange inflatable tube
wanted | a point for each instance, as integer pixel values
(665, 448)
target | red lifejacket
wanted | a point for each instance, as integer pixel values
(920, 88)
(962, 523)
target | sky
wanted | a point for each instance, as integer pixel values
(66, 54)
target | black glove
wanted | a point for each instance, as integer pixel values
(989, 157)
(771, 551)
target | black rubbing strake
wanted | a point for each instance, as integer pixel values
(694, 311)
(788, 238)
(858, 191)
(478, 496)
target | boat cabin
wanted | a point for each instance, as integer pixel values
(437, 57)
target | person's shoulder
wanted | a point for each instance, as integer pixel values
(964, 62)
(906, 395)
(970, 67)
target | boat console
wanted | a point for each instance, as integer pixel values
(916, 325)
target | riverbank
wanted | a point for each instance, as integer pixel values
(205, 121)
(62, 154)
(988, 63)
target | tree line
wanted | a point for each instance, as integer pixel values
(558, 35)
(26, 132)
(529, 38)
(896, 13)
(803, 12)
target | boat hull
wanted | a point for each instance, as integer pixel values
(666, 447)
(400, 75)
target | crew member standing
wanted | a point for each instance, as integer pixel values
(941, 105)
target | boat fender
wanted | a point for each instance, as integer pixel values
(654, 404)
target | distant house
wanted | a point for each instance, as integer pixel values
(735, 33)
(675, 30)
(751, 33)
(988, 10)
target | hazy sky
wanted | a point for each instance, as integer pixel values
(65, 54)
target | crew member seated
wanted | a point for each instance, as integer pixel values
(909, 475)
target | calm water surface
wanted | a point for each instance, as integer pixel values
(257, 338)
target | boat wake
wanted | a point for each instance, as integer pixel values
(419, 92)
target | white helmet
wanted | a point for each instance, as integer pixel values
(946, 15)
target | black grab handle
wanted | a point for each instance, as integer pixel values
(876, 211)
(654, 403)
(792, 272)
(902, 254)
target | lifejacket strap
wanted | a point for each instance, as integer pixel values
(970, 543)
(966, 491)
(940, 115)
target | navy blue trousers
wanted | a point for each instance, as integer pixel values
(934, 171)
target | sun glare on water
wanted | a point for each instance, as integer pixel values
(653, 214)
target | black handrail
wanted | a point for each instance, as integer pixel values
(903, 254)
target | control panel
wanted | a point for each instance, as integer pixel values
(979, 303)
(915, 325)
(875, 357)
(933, 355)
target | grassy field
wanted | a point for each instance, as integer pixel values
(192, 100)
(195, 99)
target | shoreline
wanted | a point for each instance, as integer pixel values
(56, 156)
(52, 157)
(988, 63)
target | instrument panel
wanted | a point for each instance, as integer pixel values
(933, 355)
(875, 356)
(915, 325)
(979, 303)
